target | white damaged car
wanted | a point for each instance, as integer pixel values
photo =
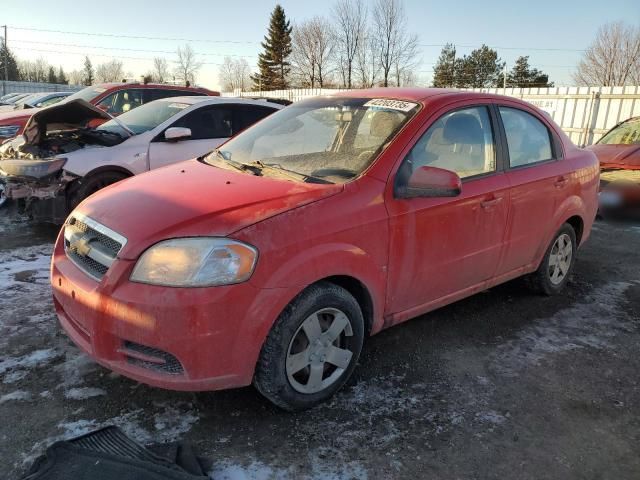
(62, 157)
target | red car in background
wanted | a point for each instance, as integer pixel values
(619, 154)
(271, 259)
(114, 98)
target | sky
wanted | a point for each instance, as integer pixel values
(553, 34)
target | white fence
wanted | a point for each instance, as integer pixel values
(35, 87)
(584, 113)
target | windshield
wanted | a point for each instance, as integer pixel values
(87, 94)
(333, 138)
(145, 118)
(627, 133)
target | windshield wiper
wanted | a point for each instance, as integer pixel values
(242, 167)
(279, 169)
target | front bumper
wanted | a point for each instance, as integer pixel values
(176, 338)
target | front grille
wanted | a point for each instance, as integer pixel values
(167, 363)
(90, 245)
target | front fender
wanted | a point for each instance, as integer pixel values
(327, 260)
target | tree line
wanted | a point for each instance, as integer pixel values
(357, 46)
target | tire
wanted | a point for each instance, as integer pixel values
(289, 358)
(90, 185)
(555, 269)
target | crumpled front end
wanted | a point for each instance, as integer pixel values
(37, 185)
(32, 165)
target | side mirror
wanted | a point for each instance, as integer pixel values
(175, 134)
(432, 182)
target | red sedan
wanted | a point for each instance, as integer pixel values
(619, 153)
(271, 259)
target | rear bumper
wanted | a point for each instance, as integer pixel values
(176, 338)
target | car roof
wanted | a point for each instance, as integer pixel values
(162, 86)
(196, 99)
(415, 94)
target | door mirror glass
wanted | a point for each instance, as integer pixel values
(175, 134)
(432, 182)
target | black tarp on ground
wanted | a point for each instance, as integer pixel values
(108, 454)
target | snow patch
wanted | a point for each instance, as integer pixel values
(591, 323)
(83, 393)
(15, 396)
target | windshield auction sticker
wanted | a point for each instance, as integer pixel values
(390, 104)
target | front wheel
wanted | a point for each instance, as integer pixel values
(557, 265)
(90, 185)
(312, 349)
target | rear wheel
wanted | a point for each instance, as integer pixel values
(90, 185)
(312, 349)
(557, 265)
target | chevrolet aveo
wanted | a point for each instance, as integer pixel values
(270, 260)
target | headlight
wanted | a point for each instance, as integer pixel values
(9, 130)
(196, 262)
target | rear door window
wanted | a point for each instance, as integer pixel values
(208, 122)
(122, 101)
(246, 115)
(528, 139)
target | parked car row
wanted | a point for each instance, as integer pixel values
(269, 260)
(52, 171)
(114, 98)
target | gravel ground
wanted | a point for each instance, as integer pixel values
(502, 385)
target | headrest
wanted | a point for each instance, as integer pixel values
(463, 128)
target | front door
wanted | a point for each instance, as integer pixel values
(210, 127)
(443, 246)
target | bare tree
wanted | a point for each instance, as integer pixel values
(160, 71)
(187, 65)
(613, 59)
(110, 71)
(34, 71)
(234, 74)
(367, 66)
(397, 49)
(312, 50)
(350, 20)
(76, 77)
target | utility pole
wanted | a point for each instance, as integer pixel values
(6, 61)
(504, 82)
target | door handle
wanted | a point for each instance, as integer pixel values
(490, 203)
(561, 182)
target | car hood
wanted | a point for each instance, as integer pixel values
(194, 199)
(617, 156)
(63, 116)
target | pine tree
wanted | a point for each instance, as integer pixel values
(482, 68)
(444, 73)
(88, 75)
(62, 78)
(51, 77)
(523, 76)
(272, 64)
(13, 73)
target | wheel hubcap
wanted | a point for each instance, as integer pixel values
(560, 259)
(318, 353)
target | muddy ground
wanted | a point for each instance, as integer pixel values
(505, 384)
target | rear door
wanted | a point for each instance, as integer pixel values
(539, 179)
(444, 246)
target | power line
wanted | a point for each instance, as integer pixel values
(135, 37)
(246, 42)
(129, 49)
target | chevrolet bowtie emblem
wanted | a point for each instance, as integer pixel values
(82, 246)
